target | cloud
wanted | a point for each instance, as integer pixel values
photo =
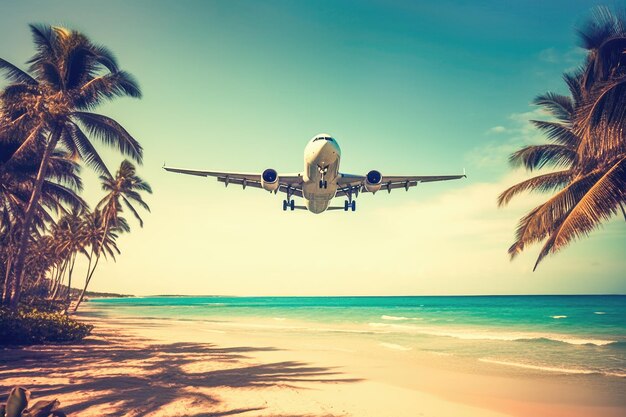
(549, 55)
(570, 56)
(497, 129)
(517, 132)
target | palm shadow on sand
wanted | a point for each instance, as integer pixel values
(129, 374)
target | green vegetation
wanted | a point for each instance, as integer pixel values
(587, 149)
(17, 406)
(47, 131)
(28, 326)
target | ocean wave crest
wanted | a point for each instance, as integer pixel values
(556, 369)
(491, 335)
(397, 318)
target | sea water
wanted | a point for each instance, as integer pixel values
(565, 334)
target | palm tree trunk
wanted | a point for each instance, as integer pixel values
(28, 220)
(69, 276)
(87, 281)
(59, 281)
(82, 294)
(53, 274)
(7, 281)
(90, 274)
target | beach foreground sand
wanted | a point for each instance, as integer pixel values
(141, 367)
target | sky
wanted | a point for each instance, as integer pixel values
(406, 88)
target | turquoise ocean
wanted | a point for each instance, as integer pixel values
(555, 334)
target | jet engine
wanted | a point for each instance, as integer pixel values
(373, 181)
(269, 180)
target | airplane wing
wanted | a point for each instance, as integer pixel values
(348, 183)
(291, 183)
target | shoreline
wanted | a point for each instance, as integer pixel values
(169, 367)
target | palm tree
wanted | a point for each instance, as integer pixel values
(16, 182)
(72, 243)
(123, 190)
(101, 240)
(589, 142)
(68, 76)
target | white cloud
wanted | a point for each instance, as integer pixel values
(518, 132)
(569, 57)
(497, 129)
(549, 55)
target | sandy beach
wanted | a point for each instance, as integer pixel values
(148, 367)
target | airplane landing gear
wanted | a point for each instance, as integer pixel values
(350, 204)
(323, 183)
(291, 204)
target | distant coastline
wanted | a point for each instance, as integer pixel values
(115, 295)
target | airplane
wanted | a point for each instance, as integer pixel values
(321, 180)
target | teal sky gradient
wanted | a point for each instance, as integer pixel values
(406, 88)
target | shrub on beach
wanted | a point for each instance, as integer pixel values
(17, 406)
(32, 326)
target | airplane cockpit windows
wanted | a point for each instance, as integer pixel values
(328, 138)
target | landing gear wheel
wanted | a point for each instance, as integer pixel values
(284, 205)
(321, 184)
(353, 205)
(325, 184)
(346, 205)
(292, 205)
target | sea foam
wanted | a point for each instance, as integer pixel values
(471, 334)
(393, 346)
(552, 368)
(396, 318)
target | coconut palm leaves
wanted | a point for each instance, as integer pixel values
(59, 195)
(587, 145)
(50, 104)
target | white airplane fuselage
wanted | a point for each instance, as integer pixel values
(321, 168)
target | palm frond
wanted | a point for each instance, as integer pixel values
(558, 105)
(539, 156)
(16, 75)
(66, 141)
(63, 194)
(64, 170)
(522, 231)
(599, 202)
(88, 153)
(49, 73)
(572, 79)
(43, 36)
(609, 57)
(132, 210)
(108, 86)
(601, 25)
(545, 218)
(105, 57)
(603, 119)
(136, 197)
(29, 141)
(558, 132)
(77, 67)
(111, 133)
(541, 183)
